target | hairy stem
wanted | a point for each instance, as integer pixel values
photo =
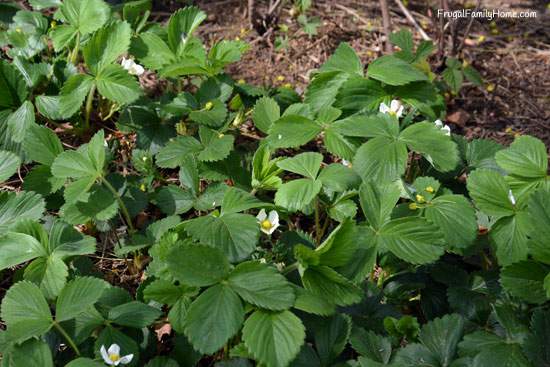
(317, 222)
(123, 208)
(89, 105)
(290, 268)
(67, 337)
(74, 53)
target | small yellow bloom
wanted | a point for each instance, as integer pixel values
(142, 187)
(490, 87)
(288, 86)
(509, 130)
(220, 135)
(413, 206)
(18, 30)
(237, 38)
(208, 106)
(144, 158)
(53, 24)
(430, 189)
(241, 81)
(481, 39)
(244, 32)
(420, 198)
(280, 78)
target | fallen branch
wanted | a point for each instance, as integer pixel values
(412, 20)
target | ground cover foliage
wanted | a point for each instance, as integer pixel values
(343, 227)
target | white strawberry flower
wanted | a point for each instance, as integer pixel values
(268, 223)
(346, 163)
(445, 128)
(511, 197)
(112, 355)
(395, 108)
(132, 67)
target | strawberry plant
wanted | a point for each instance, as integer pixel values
(348, 226)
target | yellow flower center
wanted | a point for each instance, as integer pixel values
(266, 224)
(413, 206)
(430, 189)
(420, 199)
(392, 113)
(114, 357)
(208, 106)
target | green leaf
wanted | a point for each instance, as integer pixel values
(371, 345)
(9, 164)
(505, 355)
(292, 131)
(339, 178)
(266, 112)
(331, 337)
(114, 83)
(456, 218)
(539, 212)
(49, 273)
(312, 303)
(535, 344)
(134, 314)
(152, 51)
(378, 201)
(343, 59)
(42, 145)
(32, 353)
(273, 338)
(340, 246)
(368, 126)
(40, 180)
(77, 296)
(394, 71)
(13, 90)
(454, 78)
(20, 121)
(330, 285)
(413, 239)
(403, 39)
(236, 200)
(172, 199)
(87, 161)
(381, 159)
(18, 207)
(428, 140)
(480, 153)
(106, 45)
(198, 265)
(339, 145)
(524, 280)
(441, 337)
(214, 317)
(84, 362)
(414, 355)
(85, 16)
(261, 285)
(526, 157)
(162, 291)
(510, 235)
(216, 146)
(213, 117)
(73, 93)
(176, 151)
(305, 164)
(25, 311)
(490, 192)
(297, 194)
(98, 204)
(322, 90)
(235, 234)
(182, 24)
(473, 75)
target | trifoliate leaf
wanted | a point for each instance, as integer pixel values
(49, 273)
(85, 17)
(216, 146)
(343, 59)
(381, 159)
(106, 45)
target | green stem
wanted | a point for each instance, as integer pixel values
(89, 105)
(67, 337)
(74, 54)
(317, 222)
(125, 212)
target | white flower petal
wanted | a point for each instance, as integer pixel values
(383, 108)
(126, 359)
(395, 105)
(273, 217)
(114, 349)
(438, 123)
(105, 355)
(447, 130)
(511, 197)
(399, 111)
(261, 215)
